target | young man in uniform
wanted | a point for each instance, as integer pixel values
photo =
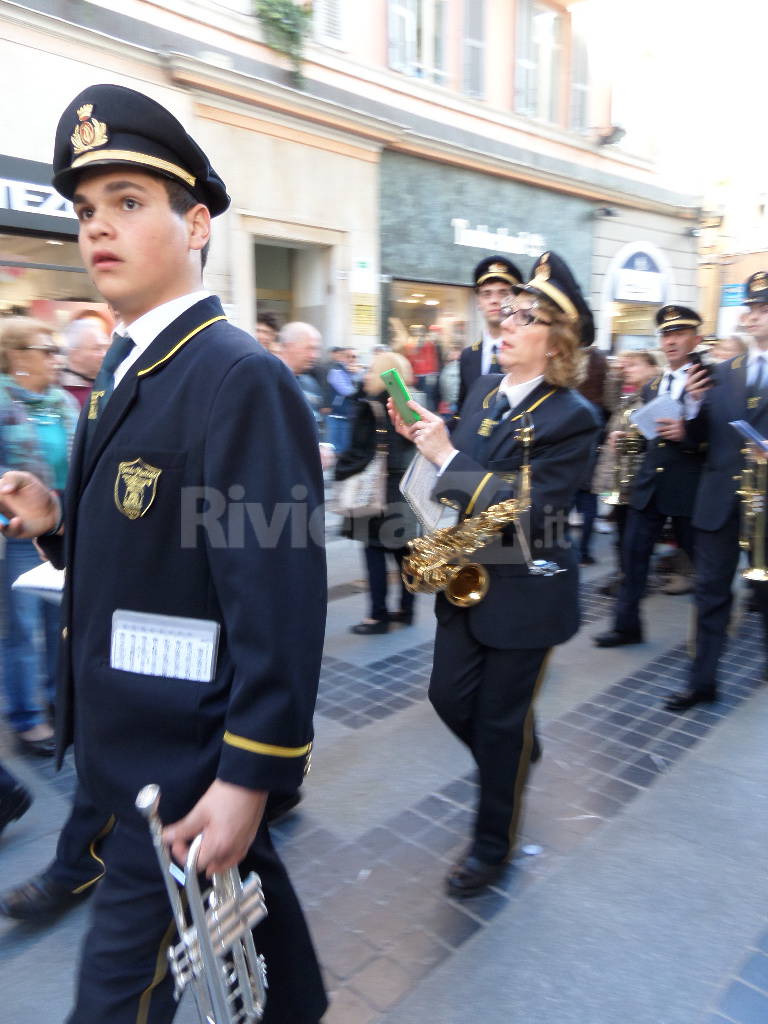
(174, 455)
(494, 278)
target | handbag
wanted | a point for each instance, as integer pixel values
(364, 494)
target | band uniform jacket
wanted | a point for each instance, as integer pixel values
(522, 610)
(728, 399)
(670, 470)
(219, 426)
(470, 368)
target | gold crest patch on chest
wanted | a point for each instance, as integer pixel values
(135, 487)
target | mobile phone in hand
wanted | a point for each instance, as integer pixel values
(400, 395)
(695, 358)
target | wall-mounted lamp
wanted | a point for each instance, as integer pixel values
(605, 211)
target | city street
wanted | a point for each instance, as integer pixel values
(639, 894)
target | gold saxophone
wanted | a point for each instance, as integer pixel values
(752, 491)
(629, 453)
(439, 561)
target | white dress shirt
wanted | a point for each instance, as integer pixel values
(678, 378)
(755, 357)
(516, 394)
(486, 354)
(144, 330)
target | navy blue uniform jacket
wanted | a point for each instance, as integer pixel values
(669, 469)
(521, 610)
(470, 368)
(228, 429)
(727, 400)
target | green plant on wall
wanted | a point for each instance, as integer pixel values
(285, 26)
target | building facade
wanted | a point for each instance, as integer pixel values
(423, 136)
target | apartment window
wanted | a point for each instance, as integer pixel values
(579, 119)
(417, 38)
(329, 21)
(474, 48)
(539, 61)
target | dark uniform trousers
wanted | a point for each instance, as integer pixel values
(717, 558)
(78, 863)
(643, 529)
(485, 697)
(125, 977)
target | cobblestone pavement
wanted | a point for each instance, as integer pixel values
(638, 892)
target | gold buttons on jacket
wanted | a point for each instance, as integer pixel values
(65, 633)
(659, 469)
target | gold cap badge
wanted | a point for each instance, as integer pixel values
(89, 132)
(542, 270)
(760, 282)
(498, 268)
(671, 313)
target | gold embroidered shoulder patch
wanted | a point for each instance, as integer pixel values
(135, 487)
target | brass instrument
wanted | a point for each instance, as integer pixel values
(629, 451)
(216, 956)
(752, 491)
(439, 561)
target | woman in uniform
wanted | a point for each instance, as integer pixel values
(490, 656)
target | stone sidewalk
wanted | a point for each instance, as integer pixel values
(639, 894)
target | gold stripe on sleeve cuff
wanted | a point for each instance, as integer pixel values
(476, 495)
(268, 749)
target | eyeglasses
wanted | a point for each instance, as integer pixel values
(50, 350)
(522, 317)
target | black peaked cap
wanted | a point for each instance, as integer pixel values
(109, 124)
(552, 279)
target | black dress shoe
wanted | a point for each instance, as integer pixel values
(37, 748)
(617, 638)
(40, 897)
(366, 628)
(13, 804)
(471, 876)
(689, 699)
(280, 804)
(406, 618)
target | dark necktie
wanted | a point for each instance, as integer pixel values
(494, 364)
(489, 425)
(104, 384)
(759, 382)
(667, 383)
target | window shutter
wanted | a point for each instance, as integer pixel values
(329, 22)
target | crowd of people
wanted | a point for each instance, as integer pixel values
(100, 447)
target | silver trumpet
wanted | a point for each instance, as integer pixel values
(216, 955)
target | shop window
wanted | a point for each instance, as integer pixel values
(329, 20)
(474, 48)
(539, 61)
(417, 44)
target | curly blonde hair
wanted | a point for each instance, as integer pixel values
(567, 367)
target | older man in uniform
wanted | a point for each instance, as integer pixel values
(666, 481)
(740, 391)
(183, 419)
(494, 280)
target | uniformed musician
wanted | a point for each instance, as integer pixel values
(666, 481)
(183, 419)
(739, 391)
(494, 279)
(490, 658)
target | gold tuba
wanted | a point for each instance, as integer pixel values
(752, 491)
(439, 561)
(629, 452)
(216, 955)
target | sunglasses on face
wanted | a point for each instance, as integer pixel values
(522, 317)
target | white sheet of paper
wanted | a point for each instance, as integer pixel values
(661, 408)
(42, 581)
(164, 645)
(416, 487)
